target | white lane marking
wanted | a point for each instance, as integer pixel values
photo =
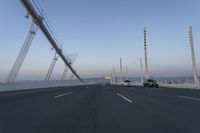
(191, 98)
(124, 98)
(21, 93)
(63, 94)
(15, 92)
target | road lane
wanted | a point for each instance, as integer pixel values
(171, 110)
(98, 109)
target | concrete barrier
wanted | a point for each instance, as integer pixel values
(188, 86)
(185, 86)
(26, 86)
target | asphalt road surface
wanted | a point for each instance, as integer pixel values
(100, 109)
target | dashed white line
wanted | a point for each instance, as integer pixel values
(191, 98)
(63, 94)
(124, 98)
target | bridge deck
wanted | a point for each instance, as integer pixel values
(100, 109)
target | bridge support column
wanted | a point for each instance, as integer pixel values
(71, 76)
(64, 73)
(71, 58)
(53, 63)
(23, 52)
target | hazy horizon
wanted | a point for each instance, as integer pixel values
(102, 32)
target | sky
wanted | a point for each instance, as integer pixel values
(102, 31)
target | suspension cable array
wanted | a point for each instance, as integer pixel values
(71, 59)
(40, 21)
(23, 52)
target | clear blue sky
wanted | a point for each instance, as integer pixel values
(102, 31)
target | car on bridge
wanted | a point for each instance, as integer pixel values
(150, 83)
(127, 83)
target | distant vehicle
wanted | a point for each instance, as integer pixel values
(127, 83)
(170, 82)
(150, 83)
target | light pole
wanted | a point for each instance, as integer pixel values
(145, 55)
(142, 75)
(121, 74)
(196, 81)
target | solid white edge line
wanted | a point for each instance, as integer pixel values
(63, 94)
(191, 98)
(124, 97)
(28, 92)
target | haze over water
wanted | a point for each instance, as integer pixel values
(102, 32)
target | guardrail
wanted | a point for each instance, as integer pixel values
(188, 86)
